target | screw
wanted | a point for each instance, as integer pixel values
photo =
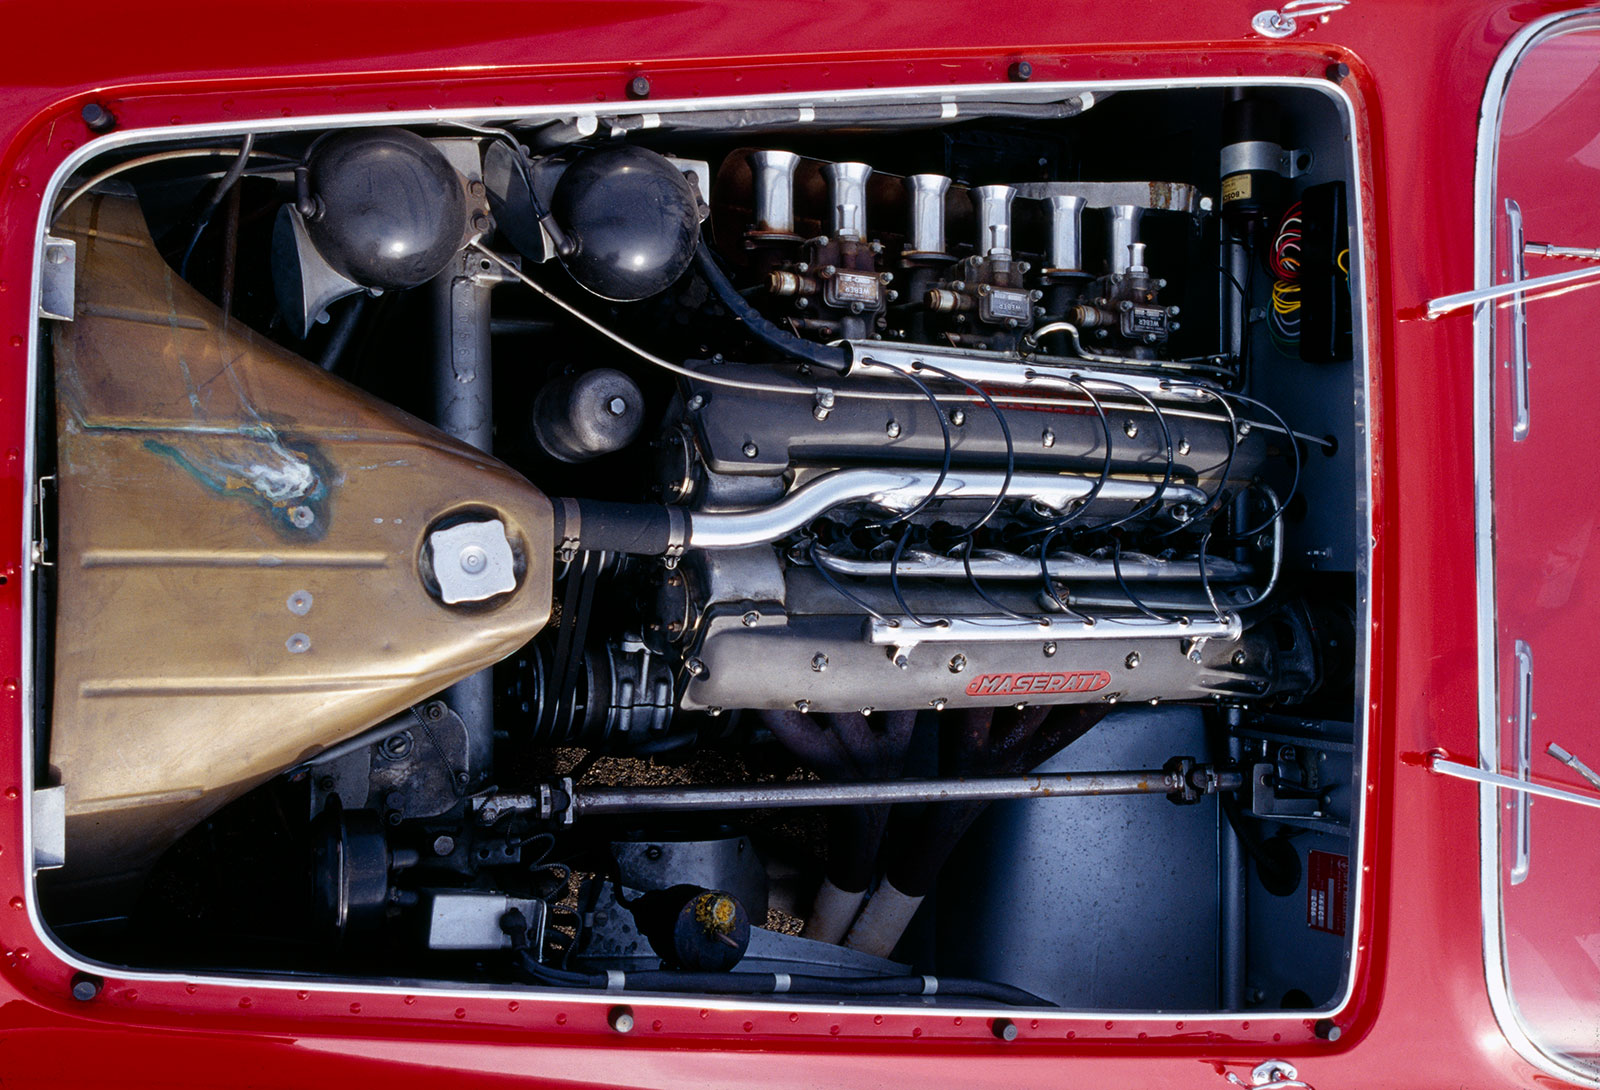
(434, 711)
(616, 406)
(474, 560)
(802, 706)
(957, 417)
(1183, 446)
(1050, 649)
(695, 403)
(938, 704)
(749, 619)
(750, 449)
(1126, 305)
(892, 429)
(85, 986)
(695, 667)
(958, 663)
(1238, 658)
(1048, 438)
(1004, 1028)
(819, 662)
(396, 746)
(98, 118)
(1130, 429)
(621, 1018)
(1132, 661)
(639, 87)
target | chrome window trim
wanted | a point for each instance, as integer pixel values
(1489, 833)
(1354, 163)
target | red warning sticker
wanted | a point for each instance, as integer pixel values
(1327, 892)
(1078, 681)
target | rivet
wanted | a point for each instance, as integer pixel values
(299, 603)
(298, 643)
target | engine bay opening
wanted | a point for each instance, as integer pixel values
(893, 552)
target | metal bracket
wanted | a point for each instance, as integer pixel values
(49, 828)
(1524, 744)
(1519, 327)
(38, 554)
(58, 279)
(1282, 23)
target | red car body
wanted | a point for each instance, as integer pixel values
(1420, 1012)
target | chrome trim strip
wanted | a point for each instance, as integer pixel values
(1524, 748)
(1485, 176)
(1353, 164)
(1519, 326)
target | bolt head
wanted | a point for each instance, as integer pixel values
(892, 429)
(1238, 658)
(938, 704)
(98, 118)
(639, 87)
(957, 417)
(695, 667)
(84, 986)
(1132, 661)
(695, 403)
(1019, 72)
(819, 662)
(1048, 438)
(620, 1019)
(749, 619)
(958, 663)
(802, 706)
(443, 845)
(1130, 429)
(616, 406)
(1004, 1028)
(1183, 446)
(1050, 649)
(751, 450)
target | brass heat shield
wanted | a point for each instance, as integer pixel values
(240, 554)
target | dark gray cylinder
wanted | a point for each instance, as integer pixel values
(580, 417)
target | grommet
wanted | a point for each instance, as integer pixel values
(98, 118)
(1019, 72)
(639, 87)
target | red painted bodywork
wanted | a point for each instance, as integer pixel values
(1420, 1013)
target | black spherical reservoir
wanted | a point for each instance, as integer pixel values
(634, 218)
(391, 208)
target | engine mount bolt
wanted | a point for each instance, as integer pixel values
(1132, 661)
(819, 662)
(1130, 429)
(1183, 446)
(695, 667)
(616, 406)
(474, 559)
(1050, 649)
(749, 619)
(620, 1019)
(957, 417)
(802, 706)
(892, 429)
(751, 450)
(1238, 658)
(958, 663)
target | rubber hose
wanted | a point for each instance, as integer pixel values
(818, 355)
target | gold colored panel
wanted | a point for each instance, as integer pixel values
(239, 549)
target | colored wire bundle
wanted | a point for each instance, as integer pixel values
(1283, 318)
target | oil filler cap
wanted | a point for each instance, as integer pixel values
(472, 561)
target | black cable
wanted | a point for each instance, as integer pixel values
(825, 356)
(1116, 569)
(227, 182)
(828, 578)
(1294, 447)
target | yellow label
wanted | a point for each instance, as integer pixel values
(1236, 187)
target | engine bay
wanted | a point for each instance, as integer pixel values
(901, 550)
